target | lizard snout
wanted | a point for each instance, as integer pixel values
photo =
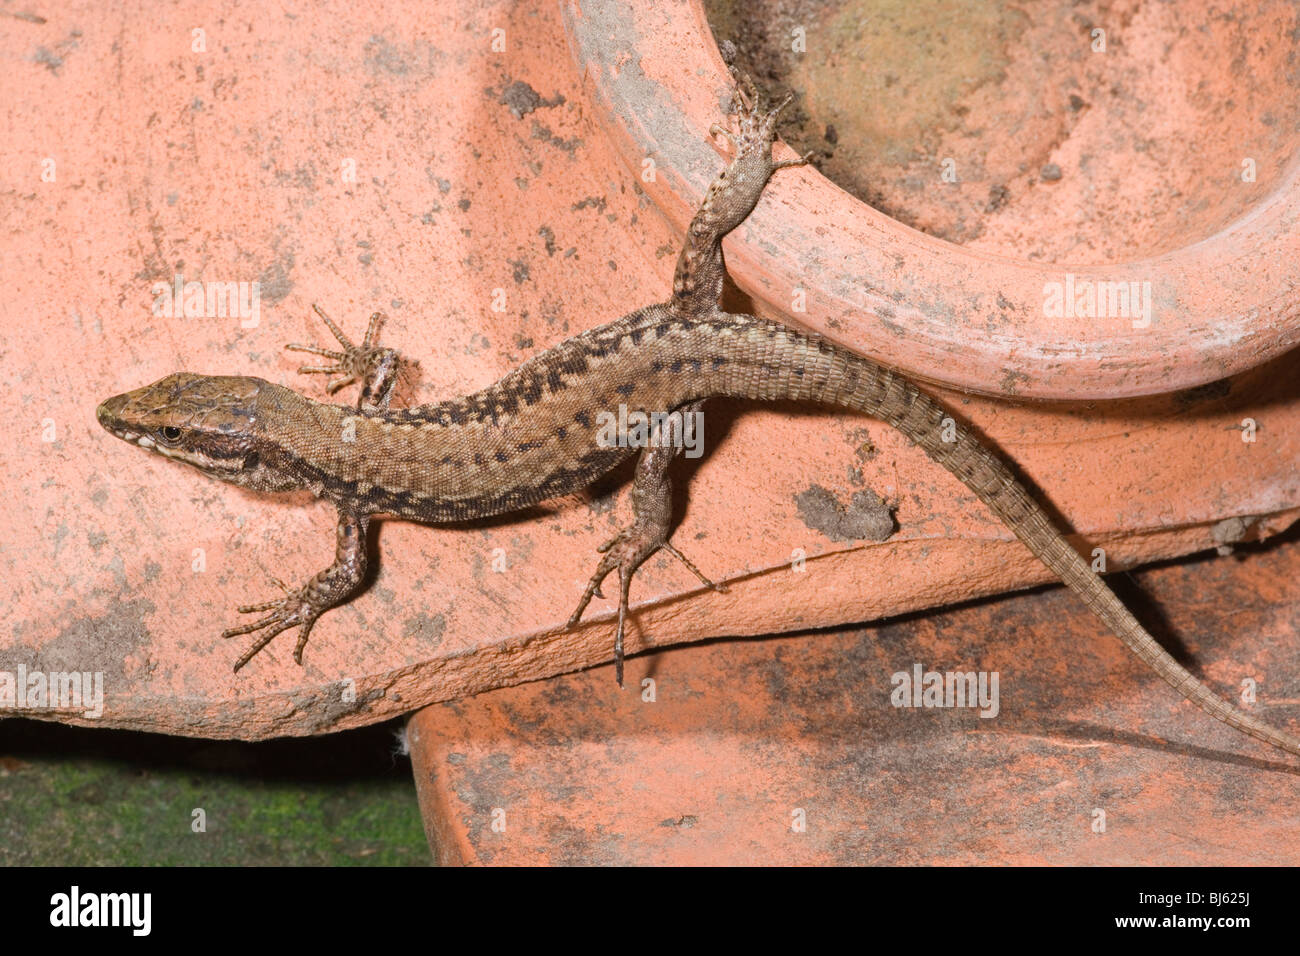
(109, 412)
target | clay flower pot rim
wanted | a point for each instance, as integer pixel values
(945, 313)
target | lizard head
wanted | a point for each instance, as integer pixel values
(208, 421)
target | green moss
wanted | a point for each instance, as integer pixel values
(84, 797)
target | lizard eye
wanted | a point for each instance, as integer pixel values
(169, 433)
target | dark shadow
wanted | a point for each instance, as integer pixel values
(366, 752)
(1091, 733)
(1130, 591)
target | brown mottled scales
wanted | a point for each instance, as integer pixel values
(533, 434)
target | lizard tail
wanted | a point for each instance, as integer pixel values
(848, 380)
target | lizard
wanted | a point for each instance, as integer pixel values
(531, 435)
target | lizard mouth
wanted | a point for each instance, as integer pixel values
(109, 414)
(111, 420)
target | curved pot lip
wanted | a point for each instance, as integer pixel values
(971, 320)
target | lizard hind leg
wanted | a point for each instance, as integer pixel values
(697, 280)
(648, 533)
(755, 121)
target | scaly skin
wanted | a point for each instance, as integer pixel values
(533, 434)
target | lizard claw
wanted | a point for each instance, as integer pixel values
(801, 161)
(292, 610)
(756, 125)
(354, 361)
(626, 552)
(717, 129)
(720, 588)
(745, 97)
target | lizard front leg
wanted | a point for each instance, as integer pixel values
(377, 368)
(652, 506)
(304, 606)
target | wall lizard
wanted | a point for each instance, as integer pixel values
(532, 435)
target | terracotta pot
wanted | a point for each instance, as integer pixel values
(723, 746)
(1218, 301)
(479, 172)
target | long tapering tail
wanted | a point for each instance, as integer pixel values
(928, 423)
(833, 376)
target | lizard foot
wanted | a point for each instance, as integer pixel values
(756, 126)
(294, 609)
(627, 551)
(355, 361)
(303, 606)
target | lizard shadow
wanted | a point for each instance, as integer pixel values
(1084, 732)
(858, 674)
(1029, 723)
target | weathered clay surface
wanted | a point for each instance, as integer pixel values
(476, 171)
(976, 316)
(1083, 131)
(742, 736)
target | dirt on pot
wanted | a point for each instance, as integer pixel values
(1089, 132)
